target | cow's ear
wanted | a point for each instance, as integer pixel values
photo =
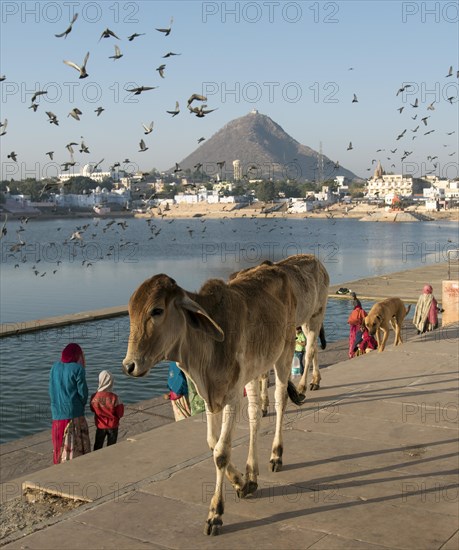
(200, 320)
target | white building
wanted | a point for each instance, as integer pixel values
(88, 172)
(382, 184)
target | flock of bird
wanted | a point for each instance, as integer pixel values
(404, 90)
(199, 111)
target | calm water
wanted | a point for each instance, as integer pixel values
(122, 256)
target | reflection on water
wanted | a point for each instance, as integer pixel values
(190, 251)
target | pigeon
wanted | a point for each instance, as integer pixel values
(34, 106)
(450, 133)
(201, 139)
(198, 166)
(431, 106)
(68, 30)
(82, 69)
(69, 147)
(424, 120)
(140, 89)
(13, 156)
(84, 148)
(50, 154)
(3, 125)
(117, 55)
(200, 112)
(416, 129)
(450, 72)
(196, 97)
(2, 78)
(36, 94)
(415, 104)
(177, 168)
(176, 111)
(349, 147)
(142, 146)
(400, 109)
(160, 69)
(169, 54)
(167, 31)
(401, 135)
(450, 99)
(403, 88)
(135, 35)
(99, 110)
(107, 33)
(52, 118)
(148, 129)
(75, 113)
(355, 100)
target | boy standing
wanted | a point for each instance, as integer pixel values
(107, 411)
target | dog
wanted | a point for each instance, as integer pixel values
(390, 311)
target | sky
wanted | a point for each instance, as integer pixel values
(300, 63)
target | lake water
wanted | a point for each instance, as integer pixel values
(104, 267)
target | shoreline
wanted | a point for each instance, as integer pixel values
(363, 212)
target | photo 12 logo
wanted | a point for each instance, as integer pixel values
(430, 12)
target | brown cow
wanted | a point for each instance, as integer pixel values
(223, 337)
(310, 281)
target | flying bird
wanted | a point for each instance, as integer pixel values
(450, 99)
(177, 168)
(167, 31)
(82, 69)
(3, 77)
(176, 111)
(201, 139)
(84, 148)
(196, 97)
(169, 54)
(50, 154)
(142, 146)
(13, 156)
(401, 135)
(52, 118)
(140, 89)
(36, 94)
(415, 104)
(200, 112)
(431, 106)
(68, 30)
(135, 35)
(75, 113)
(355, 100)
(148, 129)
(450, 72)
(117, 55)
(424, 120)
(198, 166)
(34, 106)
(69, 146)
(99, 110)
(349, 147)
(107, 33)
(160, 70)
(403, 88)
(3, 125)
(400, 109)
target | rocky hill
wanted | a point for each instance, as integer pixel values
(264, 150)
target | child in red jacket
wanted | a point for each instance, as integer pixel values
(107, 411)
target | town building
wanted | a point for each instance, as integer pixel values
(382, 184)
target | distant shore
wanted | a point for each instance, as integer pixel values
(364, 212)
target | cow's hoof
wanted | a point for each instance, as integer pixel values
(314, 387)
(213, 527)
(301, 396)
(249, 488)
(275, 464)
(264, 412)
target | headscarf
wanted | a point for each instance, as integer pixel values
(72, 353)
(427, 289)
(105, 381)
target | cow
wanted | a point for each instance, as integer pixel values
(310, 281)
(222, 337)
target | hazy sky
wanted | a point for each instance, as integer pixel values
(290, 60)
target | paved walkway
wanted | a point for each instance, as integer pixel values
(370, 461)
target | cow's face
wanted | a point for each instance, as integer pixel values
(155, 324)
(160, 313)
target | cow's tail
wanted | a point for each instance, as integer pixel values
(323, 342)
(408, 309)
(297, 398)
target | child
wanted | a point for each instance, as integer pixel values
(107, 411)
(178, 392)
